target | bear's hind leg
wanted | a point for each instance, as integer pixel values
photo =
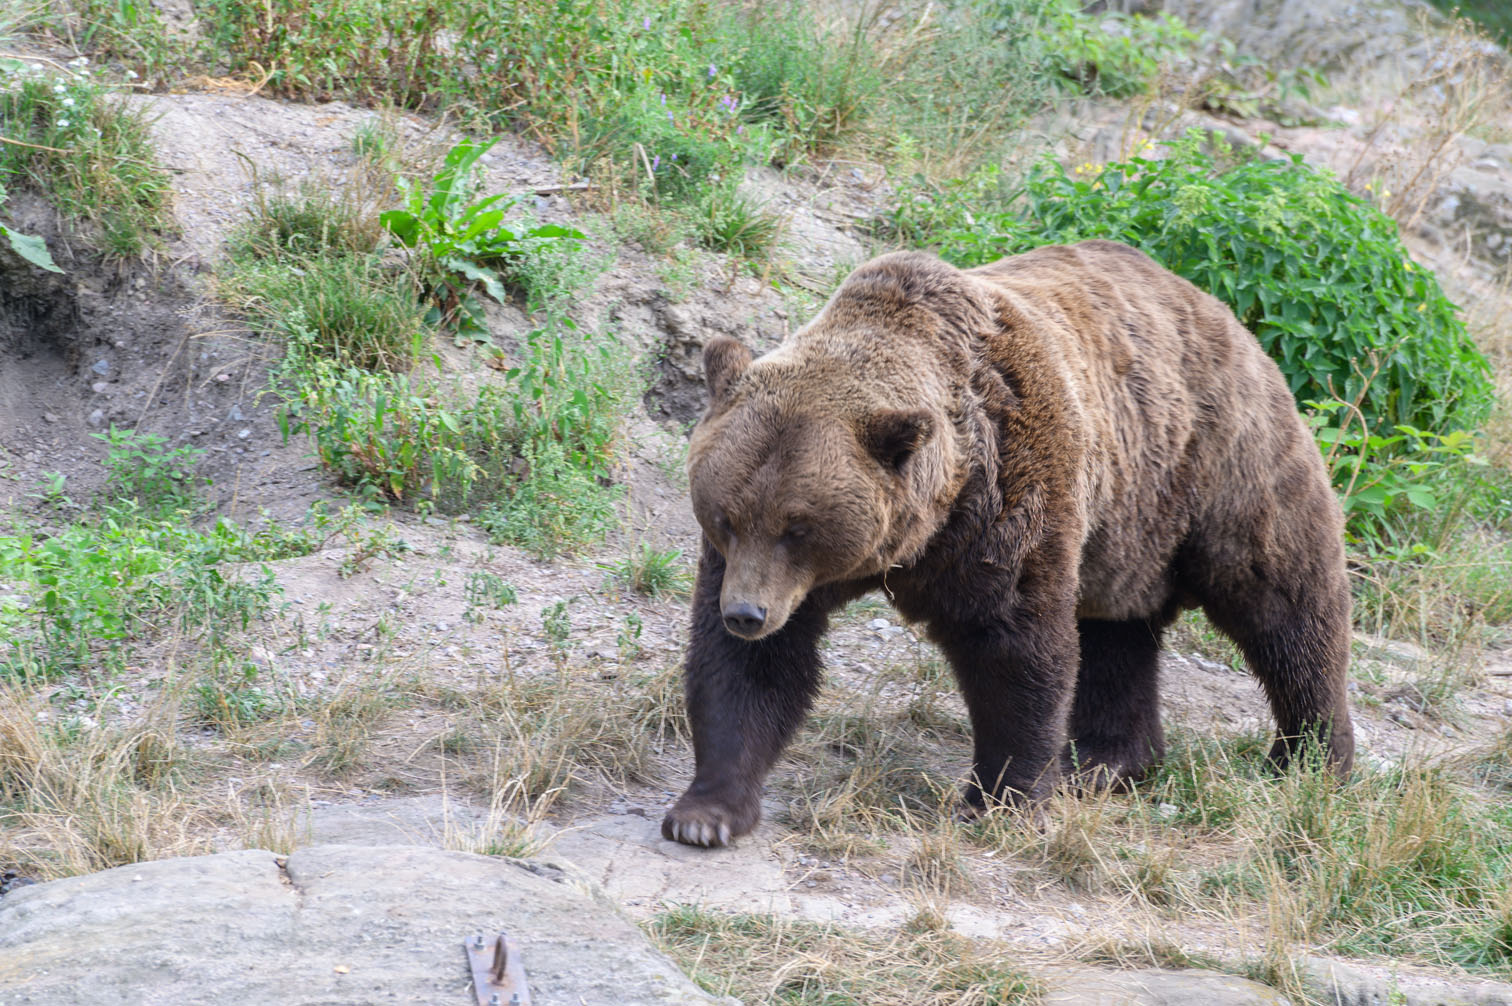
(1297, 644)
(1115, 735)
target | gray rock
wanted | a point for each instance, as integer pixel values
(328, 924)
(1156, 988)
(1350, 985)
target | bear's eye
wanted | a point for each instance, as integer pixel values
(794, 533)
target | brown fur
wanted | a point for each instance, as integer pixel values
(1042, 460)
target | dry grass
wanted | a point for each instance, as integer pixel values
(76, 797)
(767, 959)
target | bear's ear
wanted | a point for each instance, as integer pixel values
(724, 360)
(893, 435)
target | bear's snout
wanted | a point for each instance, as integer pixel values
(744, 619)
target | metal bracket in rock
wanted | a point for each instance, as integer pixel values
(498, 977)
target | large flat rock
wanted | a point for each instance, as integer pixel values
(329, 924)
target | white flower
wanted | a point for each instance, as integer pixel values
(59, 89)
(62, 123)
(131, 75)
(68, 103)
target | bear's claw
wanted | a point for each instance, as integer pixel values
(704, 833)
(707, 822)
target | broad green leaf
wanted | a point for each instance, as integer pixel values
(30, 247)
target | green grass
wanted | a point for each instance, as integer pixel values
(651, 571)
(87, 152)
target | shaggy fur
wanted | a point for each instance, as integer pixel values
(1042, 461)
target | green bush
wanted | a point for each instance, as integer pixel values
(1320, 276)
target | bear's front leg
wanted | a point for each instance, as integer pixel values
(1017, 675)
(745, 699)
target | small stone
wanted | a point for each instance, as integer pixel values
(223, 378)
(244, 434)
(1507, 708)
(101, 367)
(97, 417)
(878, 623)
(1168, 810)
(99, 387)
(50, 417)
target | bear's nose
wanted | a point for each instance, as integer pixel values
(744, 619)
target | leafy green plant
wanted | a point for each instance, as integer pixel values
(29, 246)
(230, 697)
(482, 590)
(143, 469)
(1320, 276)
(1113, 53)
(358, 49)
(1385, 478)
(90, 589)
(461, 242)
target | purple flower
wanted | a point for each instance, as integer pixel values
(711, 69)
(739, 130)
(646, 24)
(674, 157)
(656, 161)
(671, 117)
(664, 98)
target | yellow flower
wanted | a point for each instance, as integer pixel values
(1422, 307)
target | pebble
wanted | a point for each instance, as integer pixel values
(1507, 708)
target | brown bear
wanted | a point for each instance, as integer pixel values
(1042, 461)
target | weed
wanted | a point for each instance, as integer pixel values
(88, 152)
(142, 469)
(91, 588)
(628, 639)
(759, 958)
(229, 697)
(483, 589)
(557, 507)
(346, 309)
(30, 247)
(731, 223)
(558, 626)
(652, 571)
(461, 242)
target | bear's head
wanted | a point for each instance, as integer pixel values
(836, 456)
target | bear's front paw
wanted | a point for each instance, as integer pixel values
(705, 822)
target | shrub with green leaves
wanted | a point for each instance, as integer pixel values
(1320, 276)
